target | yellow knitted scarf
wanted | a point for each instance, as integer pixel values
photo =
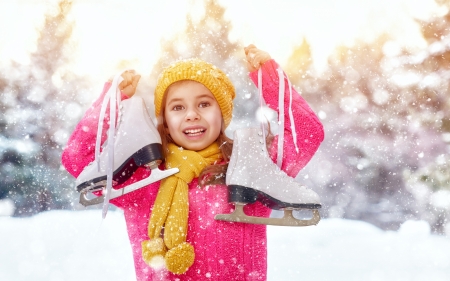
(171, 210)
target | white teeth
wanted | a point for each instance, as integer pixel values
(194, 131)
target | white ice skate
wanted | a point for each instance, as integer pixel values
(135, 142)
(252, 176)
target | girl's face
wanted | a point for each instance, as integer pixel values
(192, 115)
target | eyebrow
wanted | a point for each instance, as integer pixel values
(200, 97)
(206, 96)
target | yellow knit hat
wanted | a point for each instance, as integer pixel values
(203, 72)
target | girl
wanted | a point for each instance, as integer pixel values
(193, 104)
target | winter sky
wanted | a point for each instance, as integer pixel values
(107, 31)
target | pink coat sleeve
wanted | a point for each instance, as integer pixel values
(80, 148)
(308, 127)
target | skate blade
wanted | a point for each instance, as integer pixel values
(288, 219)
(155, 176)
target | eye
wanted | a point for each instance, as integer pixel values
(204, 104)
(177, 108)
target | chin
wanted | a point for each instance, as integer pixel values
(195, 147)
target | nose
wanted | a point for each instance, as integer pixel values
(192, 115)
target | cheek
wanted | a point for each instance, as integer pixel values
(171, 123)
(216, 121)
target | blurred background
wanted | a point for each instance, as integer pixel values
(375, 72)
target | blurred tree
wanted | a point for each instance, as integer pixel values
(430, 110)
(385, 113)
(299, 64)
(39, 102)
(362, 154)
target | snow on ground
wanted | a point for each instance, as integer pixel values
(78, 245)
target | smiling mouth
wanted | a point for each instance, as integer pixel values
(194, 132)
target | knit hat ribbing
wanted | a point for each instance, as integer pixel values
(203, 72)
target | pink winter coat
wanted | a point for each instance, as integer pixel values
(223, 250)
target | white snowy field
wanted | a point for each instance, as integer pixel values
(78, 245)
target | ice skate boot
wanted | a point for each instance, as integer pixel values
(252, 176)
(136, 143)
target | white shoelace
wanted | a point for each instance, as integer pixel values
(114, 99)
(281, 90)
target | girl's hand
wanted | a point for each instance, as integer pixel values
(129, 83)
(255, 57)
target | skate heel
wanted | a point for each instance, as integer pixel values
(241, 194)
(148, 154)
